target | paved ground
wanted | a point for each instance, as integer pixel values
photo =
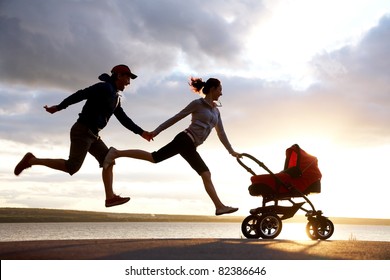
(194, 249)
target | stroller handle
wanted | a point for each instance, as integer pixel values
(255, 160)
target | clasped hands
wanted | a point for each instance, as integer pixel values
(148, 135)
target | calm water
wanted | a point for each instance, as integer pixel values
(291, 231)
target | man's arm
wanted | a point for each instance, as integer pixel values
(126, 121)
(129, 124)
(51, 109)
(79, 95)
(71, 99)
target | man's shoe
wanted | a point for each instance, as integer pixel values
(23, 164)
(109, 159)
(225, 210)
(116, 200)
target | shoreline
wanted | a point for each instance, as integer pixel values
(43, 215)
(194, 249)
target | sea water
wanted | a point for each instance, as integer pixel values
(175, 230)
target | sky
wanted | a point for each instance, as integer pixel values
(315, 73)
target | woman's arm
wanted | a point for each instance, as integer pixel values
(223, 137)
(179, 116)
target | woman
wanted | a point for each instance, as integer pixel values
(205, 116)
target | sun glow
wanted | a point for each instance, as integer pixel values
(291, 33)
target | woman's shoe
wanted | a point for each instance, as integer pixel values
(116, 200)
(225, 210)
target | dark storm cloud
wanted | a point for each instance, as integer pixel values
(57, 43)
(214, 29)
(64, 43)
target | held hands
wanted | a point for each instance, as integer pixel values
(147, 136)
(51, 109)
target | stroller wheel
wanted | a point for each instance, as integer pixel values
(270, 226)
(250, 227)
(320, 228)
(311, 230)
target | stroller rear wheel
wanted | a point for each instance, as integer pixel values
(250, 227)
(270, 226)
(320, 228)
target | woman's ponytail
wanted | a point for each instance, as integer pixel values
(198, 85)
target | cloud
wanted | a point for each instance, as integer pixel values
(201, 30)
(355, 82)
(53, 43)
(64, 43)
(351, 102)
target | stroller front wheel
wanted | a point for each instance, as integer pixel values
(320, 228)
(250, 227)
(270, 226)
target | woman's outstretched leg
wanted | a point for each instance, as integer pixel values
(220, 208)
(137, 154)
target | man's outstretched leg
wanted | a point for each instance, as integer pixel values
(29, 160)
(60, 164)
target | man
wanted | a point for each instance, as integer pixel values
(102, 101)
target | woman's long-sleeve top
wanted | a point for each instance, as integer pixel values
(204, 118)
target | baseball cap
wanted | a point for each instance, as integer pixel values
(123, 69)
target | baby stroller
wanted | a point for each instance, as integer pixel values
(299, 178)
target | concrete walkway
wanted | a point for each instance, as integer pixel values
(194, 249)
